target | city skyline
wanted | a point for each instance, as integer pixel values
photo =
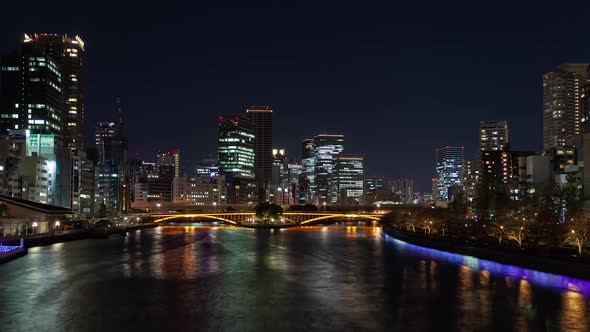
(318, 78)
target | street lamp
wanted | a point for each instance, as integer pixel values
(158, 205)
(35, 225)
(324, 206)
(215, 206)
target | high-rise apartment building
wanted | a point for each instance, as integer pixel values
(494, 156)
(68, 53)
(348, 179)
(326, 148)
(470, 177)
(562, 114)
(449, 161)
(585, 106)
(261, 117)
(493, 135)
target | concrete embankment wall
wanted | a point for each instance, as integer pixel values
(576, 267)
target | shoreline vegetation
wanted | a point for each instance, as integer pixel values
(524, 237)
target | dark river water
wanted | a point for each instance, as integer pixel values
(335, 278)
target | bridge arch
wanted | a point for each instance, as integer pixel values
(339, 215)
(197, 215)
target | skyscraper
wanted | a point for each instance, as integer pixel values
(494, 156)
(493, 135)
(171, 159)
(449, 161)
(585, 106)
(326, 147)
(69, 55)
(404, 189)
(11, 115)
(31, 93)
(235, 148)
(261, 117)
(561, 104)
(348, 179)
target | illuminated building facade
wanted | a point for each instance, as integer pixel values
(374, 183)
(261, 117)
(449, 161)
(470, 177)
(348, 179)
(170, 158)
(493, 135)
(562, 114)
(235, 147)
(68, 53)
(403, 190)
(203, 191)
(307, 181)
(326, 148)
(585, 105)
(11, 115)
(236, 152)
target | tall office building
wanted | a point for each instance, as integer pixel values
(235, 147)
(172, 159)
(261, 117)
(348, 179)
(31, 93)
(493, 135)
(68, 53)
(307, 179)
(562, 117)
(236, 152)
(11, 115)
(404, 190)
(326, 147)
(449, 161)
(373, 184)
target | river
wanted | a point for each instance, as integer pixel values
(324, 278)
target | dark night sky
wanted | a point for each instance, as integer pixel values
(398, 80)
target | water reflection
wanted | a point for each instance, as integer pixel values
(315, 278)
(508, 271)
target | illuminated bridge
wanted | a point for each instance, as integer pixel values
(294, 218)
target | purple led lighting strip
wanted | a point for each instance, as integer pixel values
(543, 279)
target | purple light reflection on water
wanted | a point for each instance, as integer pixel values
(543, 279)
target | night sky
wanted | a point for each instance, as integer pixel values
(397, 80)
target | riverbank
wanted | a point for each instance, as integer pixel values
(576, 267)
(45, 239)
(8, 253)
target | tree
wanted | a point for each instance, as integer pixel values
(268, 211)
(102, 211)
(516, 232)
(497, 231)
(578, 234)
